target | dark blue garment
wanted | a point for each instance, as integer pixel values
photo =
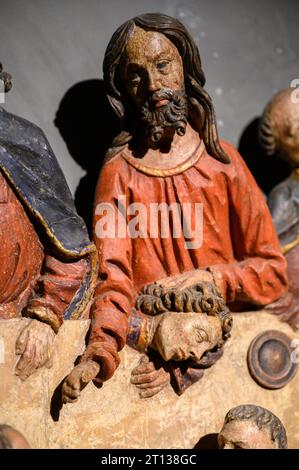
(283, 202)
(29, 164)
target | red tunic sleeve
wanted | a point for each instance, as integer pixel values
(55, 289)
(115, 293)
(258, 276)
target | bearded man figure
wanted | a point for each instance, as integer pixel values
(169, 153)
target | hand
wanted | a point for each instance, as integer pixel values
(287, 309)
(147, 379)
(77, 380)
(187, 279)
(35, 345)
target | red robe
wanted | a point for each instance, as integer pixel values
(240, 245)
(29, 277)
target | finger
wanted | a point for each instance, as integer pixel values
(172, 281)
(73, 384)
(65, 390)
(73, 379)
(144, 378)
(20, 372)
(167, 283)
(68, 399)
(70, 387)
(160, 381)
(22, 341)
(25, 367)
(27, 362)
(150, 392)
(146, 386)
(71, 392)
(90, 372)
(144, 369)
(87, 377)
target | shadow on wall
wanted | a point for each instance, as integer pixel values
(87, 124)
(268, 171)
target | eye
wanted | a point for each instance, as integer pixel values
(201, 335)
(162, 65)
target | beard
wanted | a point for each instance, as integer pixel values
(172, 115)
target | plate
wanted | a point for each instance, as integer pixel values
(269, 359)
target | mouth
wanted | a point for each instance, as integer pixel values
(160, 103)
(161, 98)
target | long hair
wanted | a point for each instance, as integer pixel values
(201, 110)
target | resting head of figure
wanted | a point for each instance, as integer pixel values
(181, 336)
(5, 80)
(279, 127)
(252, 427)
(187, 323)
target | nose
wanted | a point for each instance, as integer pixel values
(153, 82)
(191, 354)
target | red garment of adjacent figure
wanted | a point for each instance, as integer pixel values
(29, 277)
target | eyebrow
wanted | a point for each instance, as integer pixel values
(160, 56)
(224, 440)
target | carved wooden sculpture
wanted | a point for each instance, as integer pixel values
(279, 136)
(187, 328)
(169, 153)
(10, 438)
(48, 264)
(252, 427)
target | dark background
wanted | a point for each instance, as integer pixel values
(54, 50)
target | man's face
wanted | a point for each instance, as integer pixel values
(153, 79)
(245, 434)
(182, 336)
(151, 62)
(290, 139)
(285, 118)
